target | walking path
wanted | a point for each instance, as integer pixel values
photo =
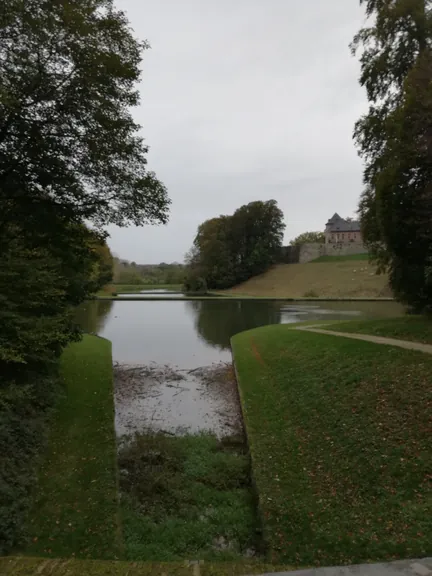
(399, 568)
(426, 348)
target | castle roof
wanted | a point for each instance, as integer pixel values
(338, 224)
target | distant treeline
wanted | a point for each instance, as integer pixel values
(231, 249)
(149, 274)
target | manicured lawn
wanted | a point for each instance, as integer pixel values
(75, 508)
(346, 258)
(415, 328)
(187, 497)
(340, 438)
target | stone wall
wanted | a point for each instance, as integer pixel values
(310, 252)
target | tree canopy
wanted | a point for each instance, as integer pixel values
(394, 140)
(72, 160)
(308, 238)
(230, 249)
(68, 142)
(71, 156)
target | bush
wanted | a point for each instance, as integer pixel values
(310, 294)
(195, 284)
(24, 411)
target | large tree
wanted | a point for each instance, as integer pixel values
(71, 161)
(395, 141)
(70, 151)
(68, 142)
(214, 251)
(257, 237)
(230, 249)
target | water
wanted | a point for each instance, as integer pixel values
(157, 347)
(197, 332)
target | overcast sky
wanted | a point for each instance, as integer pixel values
(246, 100)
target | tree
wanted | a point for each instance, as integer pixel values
(104, 266)
(308, 238)
(70, 155)
(214, 252)
(394, 139)
(257, 232)
(194, 283)
(230, 249)
(68, 143)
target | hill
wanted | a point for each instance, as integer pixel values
(332, 278)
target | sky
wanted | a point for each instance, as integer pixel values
(245, 100)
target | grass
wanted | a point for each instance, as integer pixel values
(112, 290)
(335, 279)
(133, 288)
(186, 497)
(339, 432)
(75, 508)
(415, 328)
(31, 566)
(345, 258)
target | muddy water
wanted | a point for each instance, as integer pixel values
(162, 399)
(173, 360)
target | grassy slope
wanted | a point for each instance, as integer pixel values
(348, 257)
(180, 495)
(334, 279)
(415, 328)
(339, 432)
(75, 510)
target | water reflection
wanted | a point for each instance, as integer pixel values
(216, 322)
(92, 316)
(197, 333)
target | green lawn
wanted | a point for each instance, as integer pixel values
(339, 432)
(187, 497)
(415, 328)
(12, 566)
(345, 258)
(75, 508)
(133, 288)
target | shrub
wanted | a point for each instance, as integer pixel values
(311, 294)
(194, 284)
(24, 411)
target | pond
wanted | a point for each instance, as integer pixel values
(172, 359)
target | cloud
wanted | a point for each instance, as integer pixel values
(246, 100)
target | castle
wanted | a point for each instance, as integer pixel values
(342, 231)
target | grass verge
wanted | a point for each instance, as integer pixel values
(42, 567)
(75, 509)
(133, 288)
(345, 258)
(187, 497)
(339, 433)
(414, 328)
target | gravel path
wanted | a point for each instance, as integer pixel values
(426, 348)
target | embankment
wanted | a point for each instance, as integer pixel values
(351, 278)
